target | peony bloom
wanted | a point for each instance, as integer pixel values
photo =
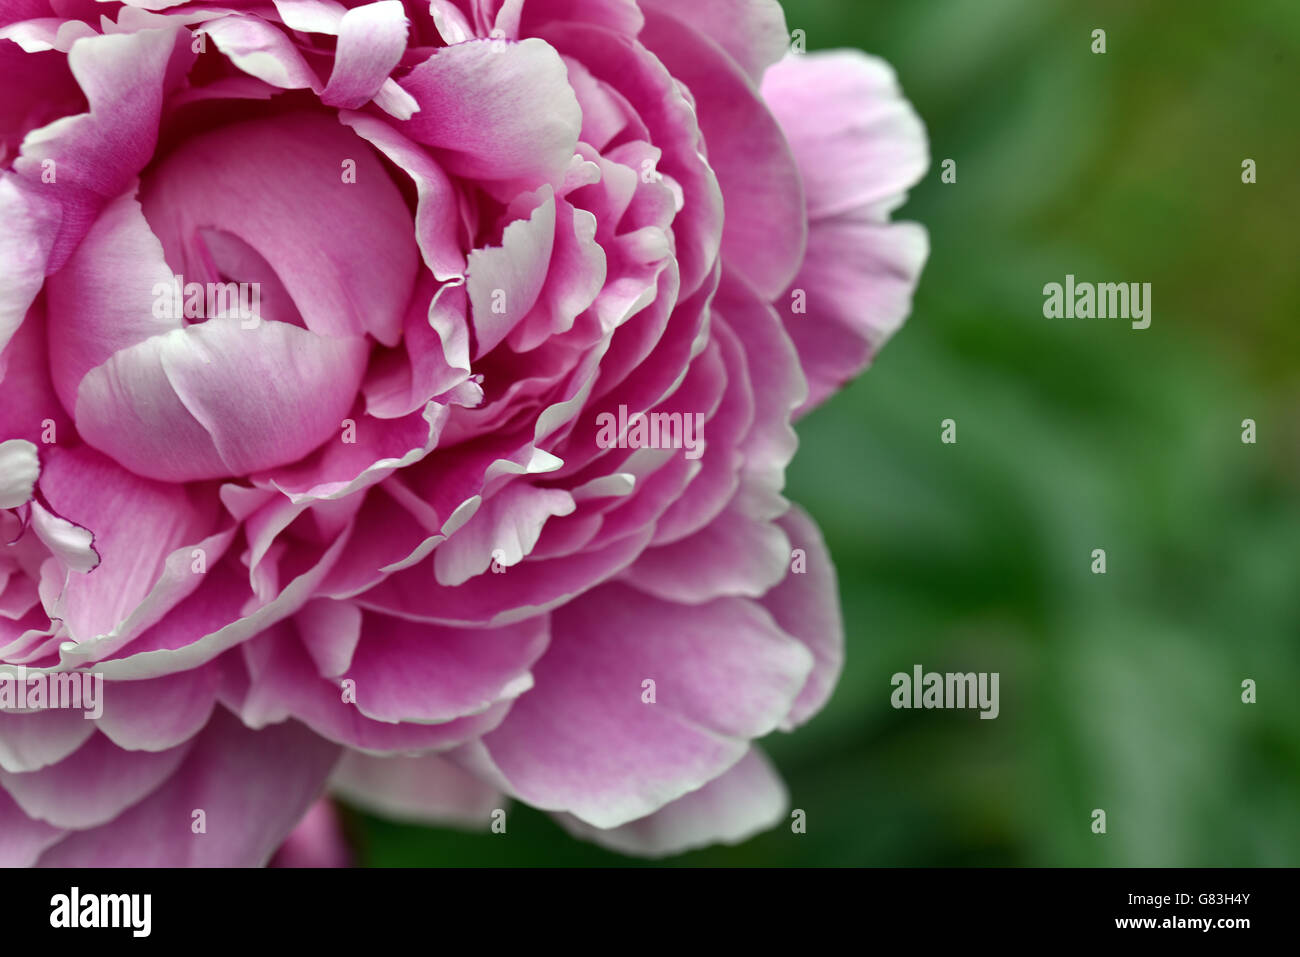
(396, 399)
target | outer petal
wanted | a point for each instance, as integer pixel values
(807, 605)
(858, 279)
(585, 741)
(730, 809)
(424, 789)
(317, 841)
(765, 229)
(22, 839)
(253, 787)
(753, 32)
(93, 785)
(859, 145)
(857, 141)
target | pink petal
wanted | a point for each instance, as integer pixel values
(858, 279)
(32, 740)
(752, 32)
(344, 250)
(423, 789)
(22, 839)
(497, 111)
(371, 41)
(93, 785)
(765, 231)
(584, 741)
(137, 524)
(317, 840)
(858, 143)
(159, 713)
(746, 800)
(253, 787)
(437, 228)
(125, 77)
(408, 671)
(263, 397)
(261, 50)
(807, 606)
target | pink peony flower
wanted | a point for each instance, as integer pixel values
(396, 397)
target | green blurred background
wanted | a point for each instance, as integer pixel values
(1119, 691)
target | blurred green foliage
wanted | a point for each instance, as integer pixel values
(1118, 691)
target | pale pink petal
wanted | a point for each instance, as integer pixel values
(423, 789)
(371, 41)
(19, 466)
(858, 143)
(746, 800)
